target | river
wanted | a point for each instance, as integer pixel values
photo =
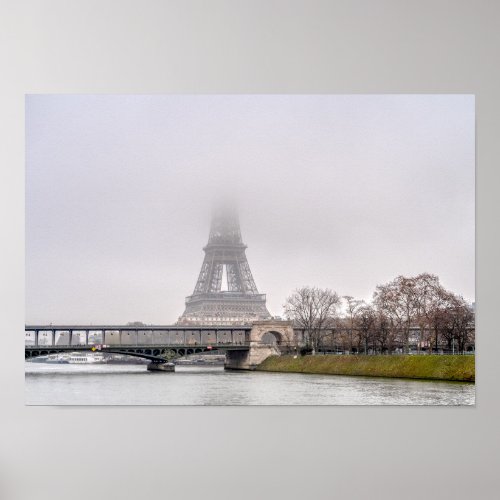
(71, 384)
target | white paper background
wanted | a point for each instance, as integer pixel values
(248, 47)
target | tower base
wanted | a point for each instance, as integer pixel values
(224, 308)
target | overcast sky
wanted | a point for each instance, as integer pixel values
(344, 192)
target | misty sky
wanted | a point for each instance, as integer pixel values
(344, 192)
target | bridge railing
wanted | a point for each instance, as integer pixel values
(130, 345)
(283, 346)
(134, 337)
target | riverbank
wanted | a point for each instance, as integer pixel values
(453, 368)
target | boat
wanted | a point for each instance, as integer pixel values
(84, 358)
(52, 359)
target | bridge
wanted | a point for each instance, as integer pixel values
(245, 346)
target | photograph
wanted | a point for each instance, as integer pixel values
(250, 249)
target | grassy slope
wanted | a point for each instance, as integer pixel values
(459, 368)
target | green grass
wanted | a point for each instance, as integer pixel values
(457, 368)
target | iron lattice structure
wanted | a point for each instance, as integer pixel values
(225, 293)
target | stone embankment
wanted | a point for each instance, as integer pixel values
(431, 367)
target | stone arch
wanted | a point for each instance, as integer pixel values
(272, 337)
(259, 350)
(263, 331)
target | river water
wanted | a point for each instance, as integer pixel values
(71, 384)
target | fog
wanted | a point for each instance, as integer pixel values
(344, 192)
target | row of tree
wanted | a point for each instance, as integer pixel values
(408, 311)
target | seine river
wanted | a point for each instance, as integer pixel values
(68, 384)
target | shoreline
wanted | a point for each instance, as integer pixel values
(451, 368)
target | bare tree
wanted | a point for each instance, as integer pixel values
(352, 306)
(384, 332)
(398, 307)
(459, 324)
(313, 309)
(423, 301)
(366, 319)
(398, 300)
(428, 296)
(465, 320)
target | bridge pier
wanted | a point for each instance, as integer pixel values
(262, 331)
(160, 367)
(250, 359)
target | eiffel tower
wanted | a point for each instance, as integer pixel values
(225, 293)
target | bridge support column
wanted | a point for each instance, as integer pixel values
(160, 367)
(259, 350)
(250, 359)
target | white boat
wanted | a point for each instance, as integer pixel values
(54, 359)
(82, 358)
